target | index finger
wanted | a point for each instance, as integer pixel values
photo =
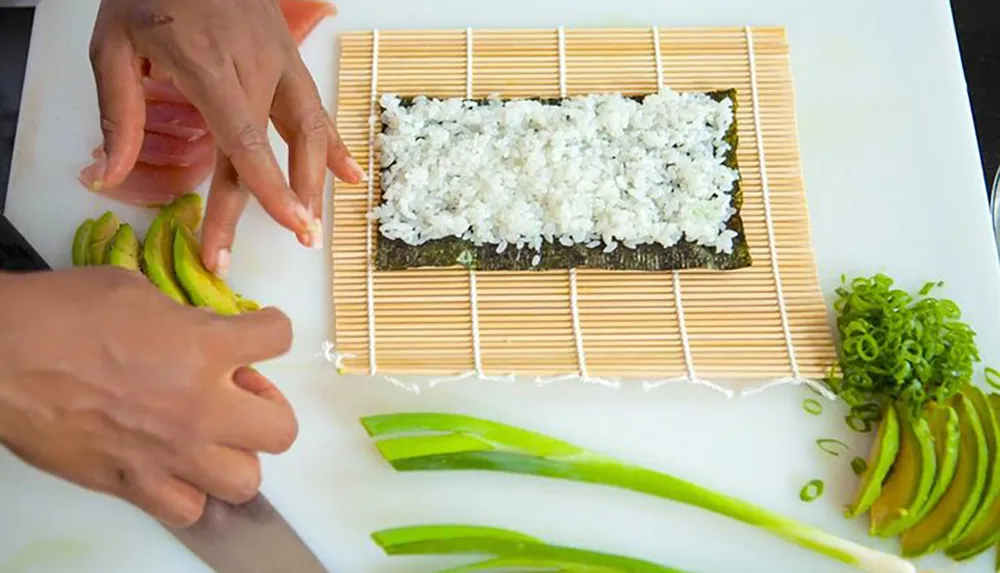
(240, 136)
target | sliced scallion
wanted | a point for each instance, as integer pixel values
(826, 444)
(811, 490)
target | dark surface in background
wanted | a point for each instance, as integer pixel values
(15, 34)
(978, 26)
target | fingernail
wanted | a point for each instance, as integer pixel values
(356, 169)
(303, 216)
(222, 260)
(98, 171)
(316, 235)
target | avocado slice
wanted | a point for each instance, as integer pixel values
(158, 251)
(246, 304)
(880, 459)
(910, 480)
(123, 250)
(187, 209)
(100, 235)
(203, 287)
(984, 528)
(944, 425)
(81, 243)
(158, 256)
(942, 524)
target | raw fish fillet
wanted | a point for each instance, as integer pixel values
(154, 185)
(178, 153)
(302, 16)
(159, 149)
(178, 120)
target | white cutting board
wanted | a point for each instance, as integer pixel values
(894, 184)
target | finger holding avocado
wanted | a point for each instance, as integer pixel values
(168, 255)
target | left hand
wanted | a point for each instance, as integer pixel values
(236, 61)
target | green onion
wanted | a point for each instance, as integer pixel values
(899, 347)
(870, 412)
(811, 490)
(435, 442)
(859, 424)
(859, 465)
(992, 377)
(825, 442)
(510, 550)
(812, 406)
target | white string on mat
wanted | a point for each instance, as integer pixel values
(769, 223)
(574, 303)
(678, 298)
(477, 349)
(659, 59)
(331, 354)
(369, 278)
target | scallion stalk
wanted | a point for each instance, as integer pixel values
(508, 549)
(439, 441)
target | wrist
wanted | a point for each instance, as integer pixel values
(11, 285)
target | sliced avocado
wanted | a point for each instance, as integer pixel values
(947, 443)
(880, 459)
(203, 287)
(909, 483)
(187, 210)
(158, 256)
(123, 249)
(984, 530)
(81, 243)
(100, 235)
(246, 304)
(939, 527)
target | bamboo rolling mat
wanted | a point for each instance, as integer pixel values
(762, 324)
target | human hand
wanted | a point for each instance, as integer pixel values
(236, 61)
(109, 384)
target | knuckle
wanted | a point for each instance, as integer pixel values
(313, 127)
(249, 138)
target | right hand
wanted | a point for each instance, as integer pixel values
(109, 384)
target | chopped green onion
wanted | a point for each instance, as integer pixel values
(825, 443)
(992, 377)
(437, 442)
(859, 465)
(870, 412)
(812, 406)
(899, 347)
(811, 490)
(928, 287)
(858, 424)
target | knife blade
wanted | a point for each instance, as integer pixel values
(248, 538)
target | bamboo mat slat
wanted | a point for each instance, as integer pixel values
(695, 325)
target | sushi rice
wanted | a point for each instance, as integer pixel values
(599, 169)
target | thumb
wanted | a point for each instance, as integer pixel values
(122, 105)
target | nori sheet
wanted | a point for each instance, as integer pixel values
(395, 254)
